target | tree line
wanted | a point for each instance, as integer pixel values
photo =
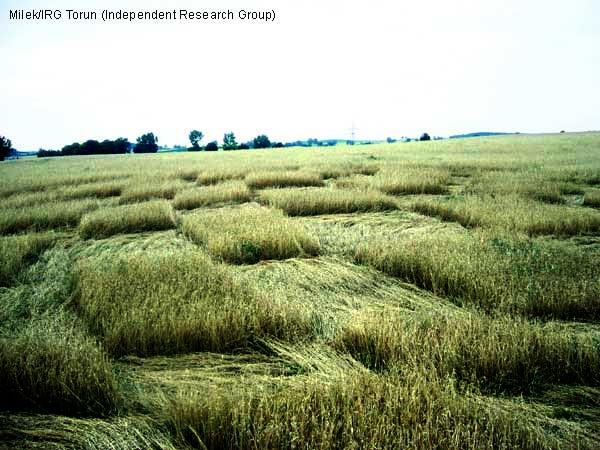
(5, 147)
(148, 143)
(230, 142)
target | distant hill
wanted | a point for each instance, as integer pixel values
(21, 154)
(478, 134)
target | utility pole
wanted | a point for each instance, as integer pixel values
(353, 130)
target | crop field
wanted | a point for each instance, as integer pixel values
(441, 294)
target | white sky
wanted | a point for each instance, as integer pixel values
(394, 68)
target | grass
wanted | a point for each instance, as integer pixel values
(56, 215)
(18, 252)
(344, 169)
(143, 192)
(40, 179)
(51, 366)
(360, 411)
(34, 431)
(279, 179)
(187, 173)
(502, 354)
(28, 199)
(512, 213)
(466, 211)
(42, 291)
(411, 180)
(577, 174)
(193, 305)
(592, 199)
(226, 192)
(148, 216)
(494, 272)
(355, 182)
(74, 192)
(48, 364)
(99, 190)
(309, 202)
(361, 322)
(533, 184)
(249, 234)
(206, 177)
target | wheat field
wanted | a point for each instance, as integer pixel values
(441, 294)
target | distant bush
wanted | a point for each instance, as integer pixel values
(71, 149)
(212, 146)
(425, 137)
(5, 147)
(92, 147)
(48, 153)
(146, 143)
(261, 141)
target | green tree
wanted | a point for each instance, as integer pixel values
(146, 143)
(195, 138)
(91, 147)
(229, 142)
(261, 141)
(5, 147)
(425, 137)
(72, 149)
(121, 145)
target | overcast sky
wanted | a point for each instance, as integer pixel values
(393, 68)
